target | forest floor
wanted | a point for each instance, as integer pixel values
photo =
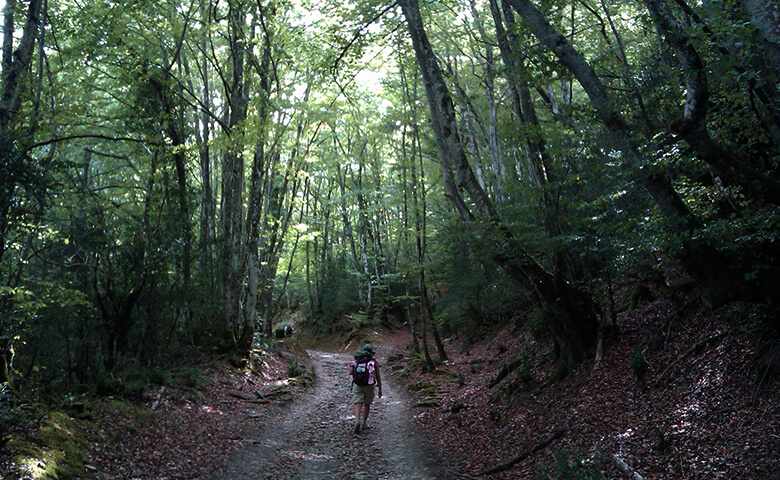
(701, 410)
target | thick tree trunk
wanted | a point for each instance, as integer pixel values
(692, 125)
(765, 17)
(14, 71)
(233, 180)
(259, 178)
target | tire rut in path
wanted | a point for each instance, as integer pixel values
(313, 439)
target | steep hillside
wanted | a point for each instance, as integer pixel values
(681, 392)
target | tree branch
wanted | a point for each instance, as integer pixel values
(89, 135)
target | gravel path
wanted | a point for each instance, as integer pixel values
(313, 439)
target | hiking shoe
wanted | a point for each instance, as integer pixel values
(364, 426)
(357, 428)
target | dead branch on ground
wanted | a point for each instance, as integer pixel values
(623, 467)
(523, 455)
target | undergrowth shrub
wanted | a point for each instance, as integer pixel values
(638, 364)
(572, 465)
(189, 377)
(295, 369)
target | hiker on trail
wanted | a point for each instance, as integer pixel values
(365, 376)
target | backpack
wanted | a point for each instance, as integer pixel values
(360, 373)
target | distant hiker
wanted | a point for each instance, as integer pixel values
(288, 331)
(364, 370)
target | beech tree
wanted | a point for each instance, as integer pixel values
(22, 178)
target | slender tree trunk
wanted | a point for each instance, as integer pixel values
(364, 235)
(207, 240)
(348, 232)
(15, 65)
(424, 297)
(650, 123)
(525, 111)
(468, 125)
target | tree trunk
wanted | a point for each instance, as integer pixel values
(692, 125)
(233, 180)
(468, 124)
(207, 242)
(525, 111)
(764, 15)
(364, 235)
(15, 64)
(348, 232)
(14, 71)
(420, 227)
(255, 201)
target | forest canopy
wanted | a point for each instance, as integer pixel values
(187, 174)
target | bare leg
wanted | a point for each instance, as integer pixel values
(358, 407)
(365, 413)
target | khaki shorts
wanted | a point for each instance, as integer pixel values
(363, 394)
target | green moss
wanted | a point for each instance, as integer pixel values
(424, 389)
(127, 409)
(56, 451)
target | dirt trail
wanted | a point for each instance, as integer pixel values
(313, 439)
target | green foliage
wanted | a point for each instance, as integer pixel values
(10, 417)
(95, 290)
(478, 296)
(189, 376)
(295, 369)
(340, 293)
